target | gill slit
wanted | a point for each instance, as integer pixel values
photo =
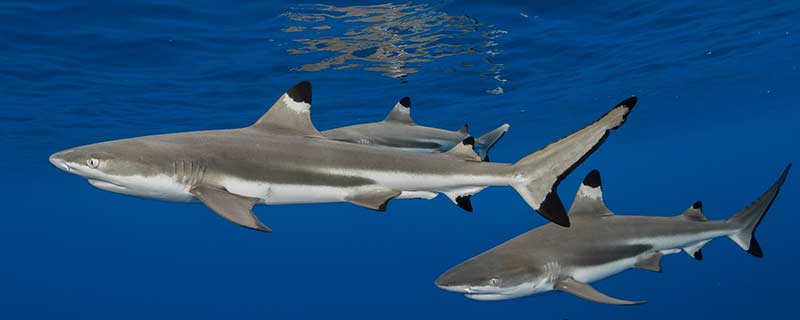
(189, 173)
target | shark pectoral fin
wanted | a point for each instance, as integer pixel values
(585, 291)
(291, 114)
(372, 199)
(464, 150)
(650, 262)
(234, 208)
(401, 113)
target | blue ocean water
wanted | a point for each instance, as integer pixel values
(717, 121)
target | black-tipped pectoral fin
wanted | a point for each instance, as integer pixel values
(372, 199)
(585, 291)
(234, 208)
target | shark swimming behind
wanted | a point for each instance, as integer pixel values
(399, 131)
(283, 159)
(599, 244)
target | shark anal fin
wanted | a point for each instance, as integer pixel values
(585, 291)
(651, 262)
(291, 114)
(232, 207)
(461, 197)
(464, 150)
(694, 249)
(372, 199)
(463, 202)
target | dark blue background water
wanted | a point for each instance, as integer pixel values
(716, 121)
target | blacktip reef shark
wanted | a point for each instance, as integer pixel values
(398, 130)
(598, 245)
(283, 159)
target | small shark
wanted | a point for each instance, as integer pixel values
(283, 159)
(398, 130)
(598, 245)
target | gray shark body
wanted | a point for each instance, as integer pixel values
(283, 159)
(398, 130)
(597, 245)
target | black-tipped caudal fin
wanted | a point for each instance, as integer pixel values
(485, 142)
(541, 172)
(748, 219)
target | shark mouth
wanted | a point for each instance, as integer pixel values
(489, 296)
(479, 293)
(105, 185)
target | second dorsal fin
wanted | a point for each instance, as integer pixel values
(401, 112)
(695, 212)
(291, 114)
(464, 129)
(464, 150)
(589, 199)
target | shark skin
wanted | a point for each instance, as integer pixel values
(283, 159)
(598, 245)
(399, 131)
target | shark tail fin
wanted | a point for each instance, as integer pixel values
(748, 219)
(539, 174)
(485, 142)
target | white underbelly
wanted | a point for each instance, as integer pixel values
(591, 274)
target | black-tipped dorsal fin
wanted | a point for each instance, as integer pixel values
(589, 199)
(291, 114)
(464, 150)
(401, 113)
(464, 129)
(695, 212)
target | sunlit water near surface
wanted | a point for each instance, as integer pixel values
(716, 121)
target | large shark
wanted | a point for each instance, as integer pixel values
(599, 244)
(398, 130)
(283, 159)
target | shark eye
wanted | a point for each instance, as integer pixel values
(92, 162)
(494, 281)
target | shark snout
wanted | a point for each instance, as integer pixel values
(450, 281)
(57, 159)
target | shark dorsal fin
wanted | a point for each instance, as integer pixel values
(589, 199)
(401, 113)
(695, 212)
(291, 114)
(464, 150)
(464, 129)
